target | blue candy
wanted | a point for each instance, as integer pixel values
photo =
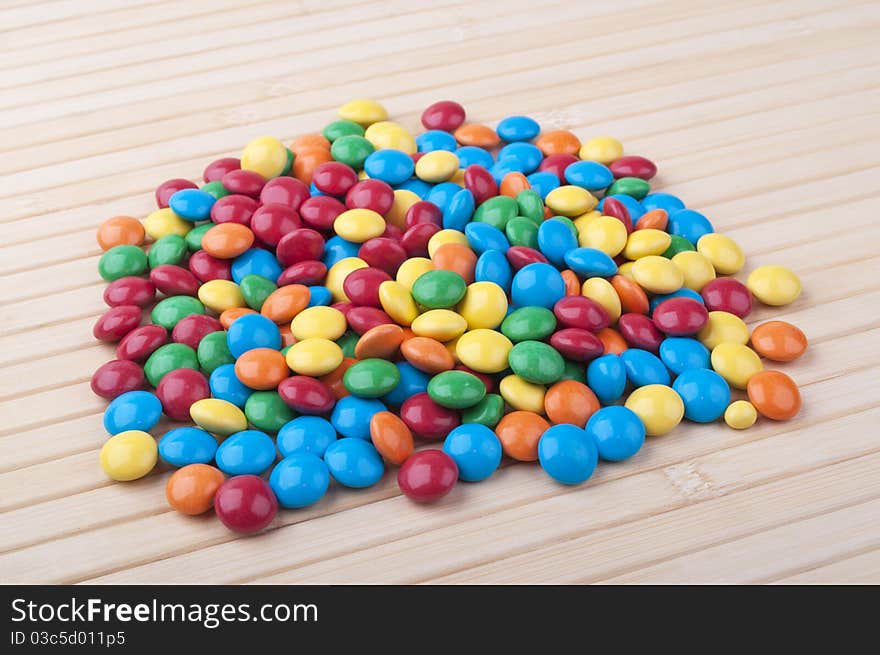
(354, 463)
(606, 376)
(567, 454)
(256, 261)
(132, 410)
(351, 416)
(192, 204)
(518, 128)
(689, 224)
(617, 431)
(252, 331)
(436, 140)
(315, 191)
(412, 381)
(589, 175)
(417, 186)
(643, 368)
(441, 194)
(468, 155)
(665, 201)
(632, 205)
(483, 237)
(305, 434)
(299, 480)
(337, 248)
(475, 449)
(705, 394)
(543, 182)
(459, 210)
(225, 385)
(503, 167)
(391, 166)
(537, 284)
(183, 446)
(590, 262)
(249, 452)
(492, 266)
(555, 239)
(680, 354)
(320, 296)
(526, 153)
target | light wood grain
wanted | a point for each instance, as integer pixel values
(762, 115)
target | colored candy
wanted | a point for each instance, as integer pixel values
(427, 475)
(567, 454)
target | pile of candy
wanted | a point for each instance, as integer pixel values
(365, 290)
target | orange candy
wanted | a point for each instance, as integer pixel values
(120, 231)
(779, 341)
(428, 355)
(774, 395)
(572, 284)
(229, 315)
(285, 302)
(382, 341)
(309, 142)
(570, 401)
(306, 161)
(519, 433)
(190, 490)
(513, 183)
(458, 258)
(476, 134)
(632, 297)
(227, 240)
(558, 142)
(261, 368)
(655, 219)
(391, 437)
(612, 340)
(287, 338)
(333, 380)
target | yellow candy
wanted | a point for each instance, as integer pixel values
(129, 455)
(626, 270)
(521, 394)
(387, 135)
(723, 327)
(437, 166)
(602, 149)
(218, 416)
(570, 200)
(220, 295)
(452, 347)
(439, 324)
(600, 290)
(359, 225)
(458, 177)
(657, 274)
(604, 233)
(412, 269)
(337, 274)
(163, 222)
(483, 350)
(362, 175)
(403, 200)
(398, 302)
(724, 253)
(484, 305)
(774, 285)
(740, 415)
(583, 220)
(363, 111)
(643, 243)
(443, 237)
(659, 407)
(696, 269)
(736, 363)
(314, 357)
(315, 322)
(265, 155)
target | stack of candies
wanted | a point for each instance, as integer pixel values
(502, 291)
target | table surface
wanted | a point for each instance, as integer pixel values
(763, 115)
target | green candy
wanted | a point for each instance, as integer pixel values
(574, 371)
(288, 166)
(347, 342)
(528, 323)
(522, 231)
(285, 349)
(216, 189)
(167, 358)
(194, 236)
(569, 223)
(170, 249)
(213, 352)
(439, 289)
(122, 261)
(497, 211)
(352, 150)
(266, 411)
(456, 389)
(537, 362)
(255, 289)
(530, 205)
(170, 311)
(678, 244)
(486, 412)
(339, 129)
(634, 187)
(371, 378)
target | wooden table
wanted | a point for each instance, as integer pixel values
(765, 116)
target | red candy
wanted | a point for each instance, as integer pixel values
(679, 317)
(117, 322)
(577, 344)
(581, 312)
(427, 475)
(234, 209)
(334, 178)
(361, 319)
(633, 166)
(557, 164)
(724, 294)
(285, 191)
(320, 212)
(306, 395)
(117, 377)
(423, 212)
(427, 419)
(174, 280)
(362, 286)
(270, 223)
(370, 194)
(169, 188)
(130, 291)
(220, 167)
(140, 343)
(245, 504)
(383, 253)
(190, 330)
(613, 207)
(415, 239)
(444, 115)
(206, 268)
(639, 331)
(480, 183)
(308, 272)
(247, 183)
(300, 245)
(520, 256)
(179, 389)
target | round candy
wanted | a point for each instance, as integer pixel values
(727, 295)
(305, 435)
(428, 420)
(643, 368)
(246, 452)
(475, 449)
(351, 415)
(225, 385)
(245, 504)
(529, 323)
(657, 274)
(190, 490)
(726, 256)
(774, 395)
(122, 261)
(299, 480)
(736, 363)
(779, 341)
(536, 362)
(774, 285)
(537, 284)
(484, 305)
(680, 354)
(438, 289)
(267, 411)
(443, 115)
(391, 437)
(264, 155)
(218, 416)
(570, 401)
(192, 204)
(261, 368)
(705, 394)
(133, 410)
(129, 455)
(567, 454)
(723, 327)
(740, 415)
(117, 377)
(427, 475)
(581, 312)
(483, 350)
(678, 317)
(120, 231)
(390, 166)
(606, 376)
(519, 433)
(618, 432)
(456, 389)
(252, 331)
(354, 462)
(371, 378)
(689, 224)
(179, 389)
(184, 446)
(306, 395)
(603, 149)
(130, 291)
(658, 407)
